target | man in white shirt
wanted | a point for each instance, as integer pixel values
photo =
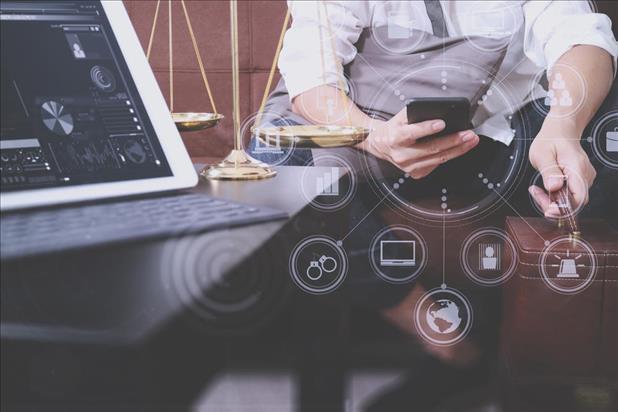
(542, 35)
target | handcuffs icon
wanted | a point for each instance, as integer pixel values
(317, 267)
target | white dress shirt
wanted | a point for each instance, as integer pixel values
(541, 31)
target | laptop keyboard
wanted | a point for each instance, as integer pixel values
(37, 232)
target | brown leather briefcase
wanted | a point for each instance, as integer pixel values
(559, 322)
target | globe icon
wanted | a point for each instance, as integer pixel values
(443, 316)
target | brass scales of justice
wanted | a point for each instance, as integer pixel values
(238, 165)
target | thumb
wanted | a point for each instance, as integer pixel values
(553, 176)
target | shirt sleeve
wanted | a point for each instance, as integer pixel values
(306, 62)
(554, 27)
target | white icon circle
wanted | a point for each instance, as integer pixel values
(443, 316)
(318, 265)
(334, 188)
(490, 246)
(398, 254)
(558, 95)
(568, 265)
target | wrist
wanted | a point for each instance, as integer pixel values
(561, 129)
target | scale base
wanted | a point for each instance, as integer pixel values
(238, 165)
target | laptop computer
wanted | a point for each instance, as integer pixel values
(83, 120)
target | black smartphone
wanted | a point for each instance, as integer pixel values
(455, 111)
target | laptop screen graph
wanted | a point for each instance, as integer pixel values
(70, 111)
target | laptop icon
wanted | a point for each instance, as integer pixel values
(398, 253)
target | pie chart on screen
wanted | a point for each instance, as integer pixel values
(56, 118)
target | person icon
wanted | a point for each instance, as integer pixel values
(565, 99)
(550, 99)
(489, 260)
(78, 52)
(558, 82)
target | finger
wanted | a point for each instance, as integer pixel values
(580, 175)
(402, 116)
(543, 201)
(579, 191)
(410, 133)
(551, 172)
(435, 160)
(436, 145)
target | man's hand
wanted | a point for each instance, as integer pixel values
(398, 142)
(556, 152)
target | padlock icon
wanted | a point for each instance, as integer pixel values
(611, 139)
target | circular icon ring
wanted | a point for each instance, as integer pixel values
(564, 254)
(332, 190)
(490, 256)
(310, 274)
(443, 316)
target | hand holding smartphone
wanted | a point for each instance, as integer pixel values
(455, 111)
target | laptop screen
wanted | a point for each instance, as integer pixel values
(70, 112)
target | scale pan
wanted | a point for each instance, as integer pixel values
(313, 136)
(190, 122)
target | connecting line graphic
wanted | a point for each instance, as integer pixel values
(363, 219)
(443, 251)
(522, 218)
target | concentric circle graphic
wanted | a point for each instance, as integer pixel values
(318, 265)
(398, 254)
(489, 257)
(468, 193)
(103, 78)
(443, 316)
(568, 265)
(334, 188)
(558, 93)
(203, 277)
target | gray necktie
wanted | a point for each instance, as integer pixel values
(434, 11)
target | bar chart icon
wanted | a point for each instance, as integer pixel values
(328, 183)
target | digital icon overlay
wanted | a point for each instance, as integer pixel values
(269, 148)
(398, 254)
(443, 316)
(318, 265)
(557, 94)
(604, 139)
(328, 183)
(488, 257)
(568, 265)
(333, 187)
